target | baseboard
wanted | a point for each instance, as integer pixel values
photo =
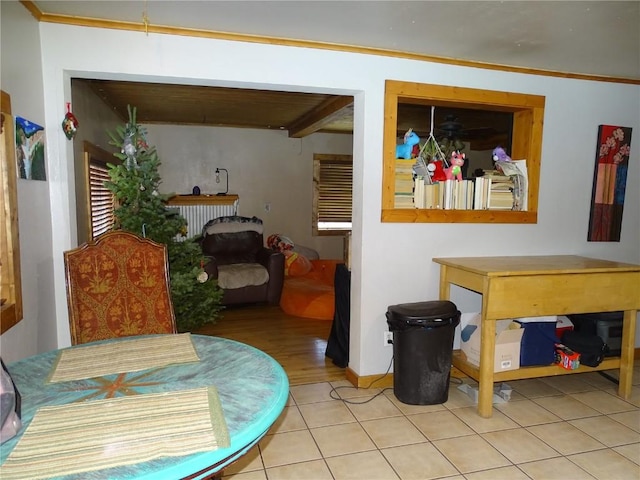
(369, 381)
(383, 381)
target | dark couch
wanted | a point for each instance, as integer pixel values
(246, 270)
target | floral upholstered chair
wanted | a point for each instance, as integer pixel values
(118, 286)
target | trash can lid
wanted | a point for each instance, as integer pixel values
(424, 310)
(422, 314)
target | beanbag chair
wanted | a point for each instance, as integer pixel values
(295, 264)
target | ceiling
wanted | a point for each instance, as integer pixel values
(298, 113)
(599, 38)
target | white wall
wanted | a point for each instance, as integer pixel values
(264, 167)
(21, 78)
(391, 262)
(97, 120)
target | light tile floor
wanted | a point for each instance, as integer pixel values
(566, 427)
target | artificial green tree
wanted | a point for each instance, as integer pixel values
(143, 210)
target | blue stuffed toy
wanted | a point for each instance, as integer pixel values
(410, 139)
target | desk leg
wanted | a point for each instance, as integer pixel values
(487, 354)
(445, 286)
(626, 355)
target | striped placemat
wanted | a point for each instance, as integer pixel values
(82, 437)
(123, 356)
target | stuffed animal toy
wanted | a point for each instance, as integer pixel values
(455, 170)
(415, 151)
(499, 155)
(404, 150)
(436, 171)
(279, 243)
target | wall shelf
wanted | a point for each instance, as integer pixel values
(202, 200)
(528, 116)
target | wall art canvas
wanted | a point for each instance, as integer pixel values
(609, 183)
(30, 150)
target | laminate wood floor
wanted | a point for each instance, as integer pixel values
(298, 344)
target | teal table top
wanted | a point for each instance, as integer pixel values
(253, 390)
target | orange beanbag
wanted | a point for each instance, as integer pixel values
(295, 264)
(311, 295)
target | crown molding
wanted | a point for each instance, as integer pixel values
(247, 38)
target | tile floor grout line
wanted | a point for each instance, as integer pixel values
(456, 409)
(324, 459)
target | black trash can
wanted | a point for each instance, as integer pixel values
(422, 349)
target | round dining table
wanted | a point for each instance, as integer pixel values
(252, 388)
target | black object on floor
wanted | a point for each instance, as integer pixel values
(338, 342)
(609, 377)
(607, 325)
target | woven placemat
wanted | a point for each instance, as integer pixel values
(82, 437)
(123, 356)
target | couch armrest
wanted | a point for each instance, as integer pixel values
(274, 263)
(211, 267)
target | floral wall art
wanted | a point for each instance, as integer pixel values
(30, 150)
(609, 182)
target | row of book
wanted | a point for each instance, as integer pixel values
(481, 193)
(405, 183)
(494, 190)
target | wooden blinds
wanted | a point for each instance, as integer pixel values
(101, 200)
(333, 179)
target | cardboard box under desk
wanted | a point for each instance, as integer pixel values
(508, 338)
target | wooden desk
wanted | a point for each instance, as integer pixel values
(252, 387)
(513, 287)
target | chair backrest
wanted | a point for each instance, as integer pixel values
(118, 286)
(233, 239)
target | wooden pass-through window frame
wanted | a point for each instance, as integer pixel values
(528, 116)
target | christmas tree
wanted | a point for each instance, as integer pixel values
(142, 210)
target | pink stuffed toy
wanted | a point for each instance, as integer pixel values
(455, 170)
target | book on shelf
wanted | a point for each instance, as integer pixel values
(501, 200)
(493, 191)
(500, 190)
(447, 194)
(418, 192)
(480, 194)
(496, 176)
(404, 183)
(404, 166)
(404, 186)
(456, 194)
(426, 195)
(403, 201)
(469, 192)
(432, 196)
(517, 171)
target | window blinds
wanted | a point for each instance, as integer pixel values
(333, 179)
(102, 202)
